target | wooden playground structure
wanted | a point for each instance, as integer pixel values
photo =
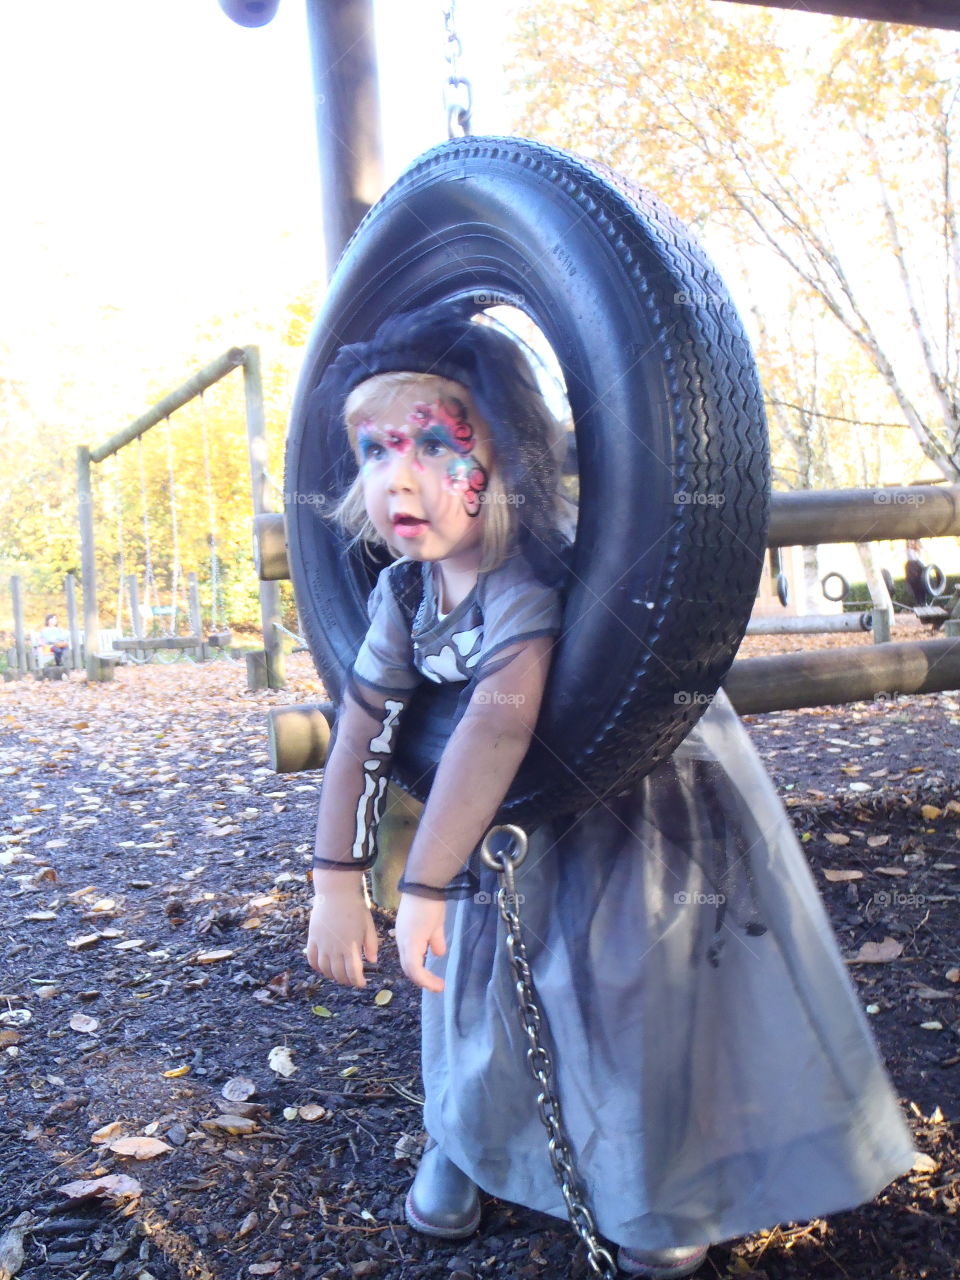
(98, 650)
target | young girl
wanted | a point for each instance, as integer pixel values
(715, 1070)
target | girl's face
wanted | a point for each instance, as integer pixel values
(424, 466)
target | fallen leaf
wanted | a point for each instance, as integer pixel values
(932, 1026)
(877, 842)
(279, 1060)
(879, 952)
(84, 941)
(280, 985)
(176, 1072)
(41, 915)
(383, 997)
(11, 1246)
(930, 811)
(836, 837)
(8, 1038)
(114, 1185)
(238, 1089)
(249, 1222)
(106, 1132)
(230, 1124)
(214, 957)
(139, 1148)
(839, 875)
(952, 975)
(81, 1022)
(15, 1017)
(312, 1111)
(322, 1011)
(891, 871)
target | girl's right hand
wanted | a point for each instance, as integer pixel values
(341, 929)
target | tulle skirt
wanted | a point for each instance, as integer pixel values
(715, 1069)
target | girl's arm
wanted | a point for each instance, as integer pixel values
(474, 774)
(351, 802)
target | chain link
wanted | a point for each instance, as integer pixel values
(505, 862)
(457, 89)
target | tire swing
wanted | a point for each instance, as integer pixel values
(671, 442)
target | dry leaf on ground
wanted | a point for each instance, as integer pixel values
(114, 1185)
(878, 952)
(139, 1148)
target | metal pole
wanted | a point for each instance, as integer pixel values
(809, 624)
(169, 404)
(257, 446)
(343, 55)
(88, 565)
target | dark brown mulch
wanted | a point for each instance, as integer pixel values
(145, 807)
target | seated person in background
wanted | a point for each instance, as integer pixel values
(54, 638)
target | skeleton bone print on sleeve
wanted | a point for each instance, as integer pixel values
(375, 778)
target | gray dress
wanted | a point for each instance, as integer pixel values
(716, 1072)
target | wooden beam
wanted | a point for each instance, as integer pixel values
(914, 13)
(825, 677)
(806, 517)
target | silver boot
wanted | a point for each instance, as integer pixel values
(442, 1200)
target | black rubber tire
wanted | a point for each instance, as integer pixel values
(672, 446)
(843, 590)
(934, 581)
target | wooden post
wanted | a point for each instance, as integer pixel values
(298, 736)
(398, 826)
(194, 614)
(270, 547)
(269, 591)
(344, 57)
(193, 605)
(133, 593)
(882, 604)
(19, 634)
(88, 564)
(70, 587)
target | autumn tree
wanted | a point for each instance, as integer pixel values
(816, 157)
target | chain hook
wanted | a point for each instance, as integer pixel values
(505, 860)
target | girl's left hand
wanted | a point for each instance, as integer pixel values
(419, 926)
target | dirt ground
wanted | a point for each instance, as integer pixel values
(152, 910)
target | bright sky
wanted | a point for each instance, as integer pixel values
(161, 172)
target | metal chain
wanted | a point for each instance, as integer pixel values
(457, 90)
(534, 1025)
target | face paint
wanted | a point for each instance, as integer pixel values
(445, 423)
(423, 473)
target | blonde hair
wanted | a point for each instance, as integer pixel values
(371, 398)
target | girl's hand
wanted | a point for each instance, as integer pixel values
(341, 929)
(419, 926)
